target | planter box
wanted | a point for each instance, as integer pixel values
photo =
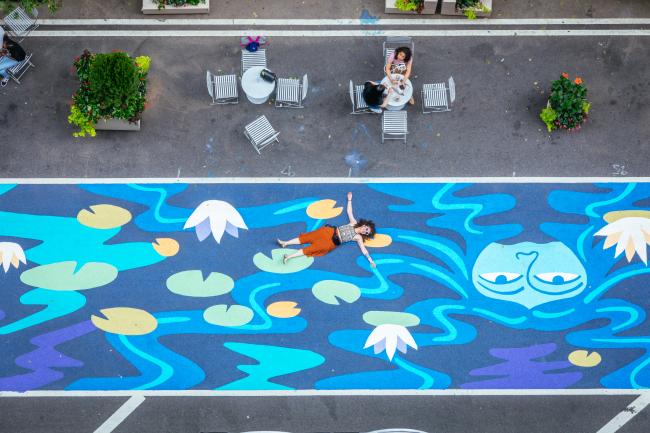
(117, 125)
(149, 7)
(429, 8)
(449, 8)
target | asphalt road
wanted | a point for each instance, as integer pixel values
(432, 414)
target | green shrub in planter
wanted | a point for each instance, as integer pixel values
(177, 3)
(112, 85)
(469, 7)
(28, 5)
(567, 106)
(410, 5)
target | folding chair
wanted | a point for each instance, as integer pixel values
(438, 97)
(260, 133)
(393, 126)
(19, 70)
(359, 105)
(222, 88)
(291, 92)
(20, 24)
(251, 59)
(393, 42)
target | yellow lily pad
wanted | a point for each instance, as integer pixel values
(379, 241)
(324, 209)
(283, 309)
(125, 321)
(166, 247)
(104, 216)
(583, 358)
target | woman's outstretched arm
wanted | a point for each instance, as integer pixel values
(365, 252)
(349, 209)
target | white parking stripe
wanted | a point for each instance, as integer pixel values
(120, 415)
(344, 22)
(333, 33)
(627, 414)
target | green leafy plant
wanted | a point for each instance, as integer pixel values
(177, 3)
(111, 85)
(28, 5)
(410, 5)
(568, 103)
(470, 7)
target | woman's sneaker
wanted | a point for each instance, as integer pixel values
(375, 110)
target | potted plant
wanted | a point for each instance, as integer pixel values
(111, 93)
(28, 5)
(175, 6)
(470, 8)
(411, 6)
(567, 106)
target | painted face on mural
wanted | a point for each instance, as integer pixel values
(529, 273)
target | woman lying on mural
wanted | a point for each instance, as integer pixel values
(326, 238)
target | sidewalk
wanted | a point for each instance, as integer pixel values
(338, 9)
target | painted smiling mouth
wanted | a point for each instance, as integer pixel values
(520, 289)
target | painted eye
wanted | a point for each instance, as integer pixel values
(556, 277)
(500, 277)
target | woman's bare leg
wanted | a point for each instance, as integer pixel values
(288, 257)
(294, 241)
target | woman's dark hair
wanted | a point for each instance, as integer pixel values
(406, 51)
(373, 94)
(371, 226)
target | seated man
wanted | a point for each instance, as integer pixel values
(375, 95)
(10, 55)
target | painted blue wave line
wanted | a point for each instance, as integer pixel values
(427, 380)
(475, 208)
(442, 276)
(636, 371)
(589, 210)
(316, 224)
(161, 201)
(451, 254)
(611, 282)
(258, 309)
(6, 188)
(500, 318)
(634, 315)
(580, 243)
(166, 370)
(293, 208)
(438, 313)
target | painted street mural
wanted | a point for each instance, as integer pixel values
(182, 286)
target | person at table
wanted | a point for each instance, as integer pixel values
(399, 62)
(376, 95)
(10, 55)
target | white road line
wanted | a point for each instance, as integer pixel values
(627, 414)
(343, 180)
(332, 33)
(120, 415)
(347, 392)
(344, 22)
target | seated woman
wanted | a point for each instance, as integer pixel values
(10, 55)
(375, 95)
(400, 62)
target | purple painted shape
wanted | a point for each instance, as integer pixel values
(521, 371)
(203, 229)
(44, 357)
(2, 314)
(232, 230)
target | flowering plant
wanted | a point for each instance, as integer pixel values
(470, 7)
(177, 3)
(111, 85)
(410, 5)
(567, 107)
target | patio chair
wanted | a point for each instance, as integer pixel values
(438, 97)
(359, 105)
(17, 72)
(20, 24)
(290, 92)
(393, 126)
(251, 59)
(222, 88)
(393, 42)
(261, 133)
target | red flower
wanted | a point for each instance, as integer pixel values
(578, 81)
(565, 75)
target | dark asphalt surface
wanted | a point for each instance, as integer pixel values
(493, 130)
(432, 414)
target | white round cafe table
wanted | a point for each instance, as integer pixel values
(257, 90)
(395, 100)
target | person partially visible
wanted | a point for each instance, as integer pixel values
(375, 94)
(400, 62)
(10, 55)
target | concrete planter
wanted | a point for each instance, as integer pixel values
(449, 8)
(149, 7)
(430, 7)
(117, 125)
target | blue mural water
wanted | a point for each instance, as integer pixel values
(181, 286)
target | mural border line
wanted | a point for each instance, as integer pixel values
(323, 393)
(318, 180)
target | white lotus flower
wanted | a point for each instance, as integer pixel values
(215, 216)
(390, 337)
(629, 234)
(11, 254)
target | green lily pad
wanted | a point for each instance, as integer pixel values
(330, 291)
(191, 283)
(222, 315)
(376, 318)
(66, 276)
(275, 265)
